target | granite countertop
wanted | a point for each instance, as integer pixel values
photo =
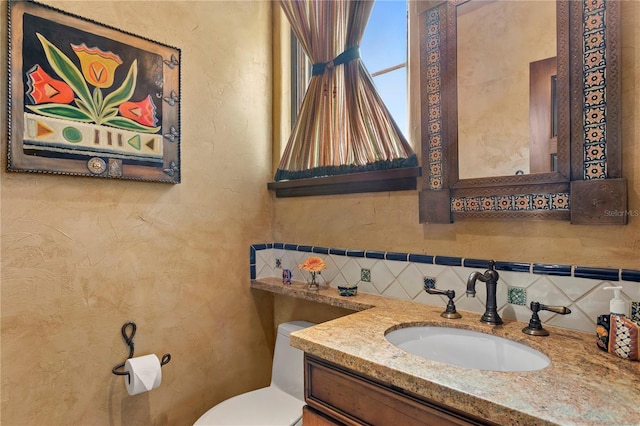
(582, 386)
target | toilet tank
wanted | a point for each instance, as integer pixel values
(287, 372)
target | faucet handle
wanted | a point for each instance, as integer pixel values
(535, 325)
(450, 312)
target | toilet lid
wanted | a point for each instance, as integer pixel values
(268, 406)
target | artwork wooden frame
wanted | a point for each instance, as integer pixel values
(86, 99)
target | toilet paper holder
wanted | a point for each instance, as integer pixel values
(128, 338)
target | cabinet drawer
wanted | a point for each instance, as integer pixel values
(356, 400)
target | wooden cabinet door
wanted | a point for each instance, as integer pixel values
(352, 399)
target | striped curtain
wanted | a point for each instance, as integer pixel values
(342, 126)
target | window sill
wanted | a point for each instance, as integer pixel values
(401, 179)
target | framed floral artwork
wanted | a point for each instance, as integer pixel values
(87, 99)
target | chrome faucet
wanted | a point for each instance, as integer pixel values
(490, 277)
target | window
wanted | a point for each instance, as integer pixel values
(384, 52)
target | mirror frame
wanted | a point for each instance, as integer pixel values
(588, 185)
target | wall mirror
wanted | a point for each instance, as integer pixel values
(505, 92)
(519, 118)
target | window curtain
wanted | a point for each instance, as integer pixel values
(343, 125)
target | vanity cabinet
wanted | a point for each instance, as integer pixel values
(338, 396)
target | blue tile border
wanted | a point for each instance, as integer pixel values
(630, 275)
(606, 274)
(373, 254)
(420, 258)
(597, 273)
(552, 269)
(513, 266)
(448, 261)
(397, 256)
(476, 263)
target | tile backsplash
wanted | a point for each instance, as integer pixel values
(404, 275)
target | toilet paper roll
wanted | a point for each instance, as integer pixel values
(145, 374)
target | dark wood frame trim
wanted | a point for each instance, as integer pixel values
(385, 180)
(435, 203)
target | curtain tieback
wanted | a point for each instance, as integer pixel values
(346, 56)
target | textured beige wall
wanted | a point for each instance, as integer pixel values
(81, 256)
(389, 221)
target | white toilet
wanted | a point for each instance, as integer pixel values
(279, 404)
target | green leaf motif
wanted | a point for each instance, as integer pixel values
(66, 69)
(108, 113)
(83, 106)
(125, 123)
(97, 99)
(125, 91)
(61, 111)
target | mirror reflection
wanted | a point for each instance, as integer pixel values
(506, 66)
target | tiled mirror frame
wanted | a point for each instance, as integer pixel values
(588, 188)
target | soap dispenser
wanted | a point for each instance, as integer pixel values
(617, 305)
(616, 333)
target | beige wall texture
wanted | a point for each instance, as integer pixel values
(389, 221)
(81, 256)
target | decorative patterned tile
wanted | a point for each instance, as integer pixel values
(429, 282)
(365, 275)
(635, 311)
(434, 104)
(556, 201)
(517, 296)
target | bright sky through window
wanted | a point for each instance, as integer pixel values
(384, 51)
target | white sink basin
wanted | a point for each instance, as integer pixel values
(469, 349)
